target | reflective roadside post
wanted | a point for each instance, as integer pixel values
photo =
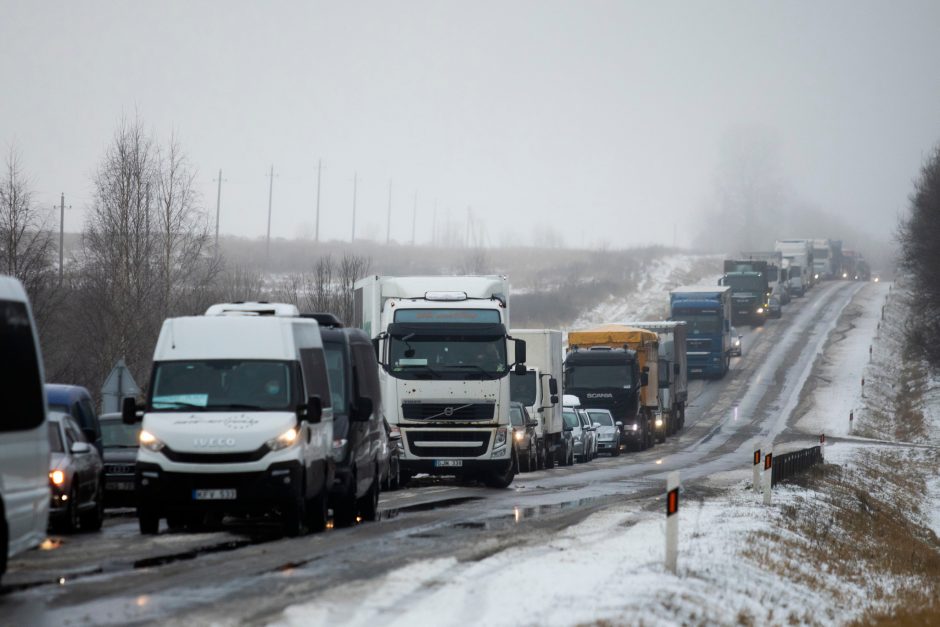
(768, 474)
(822, 446)
(755, 483)
(672, 521)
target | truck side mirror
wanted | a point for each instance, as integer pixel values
(553, 387)
(644, 379)
(129, 411)
(520, 351)
(363, 409)
(314, 409)
(554, 399)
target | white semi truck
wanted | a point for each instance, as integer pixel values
(442, 344)
(799, 252)
(539, 389)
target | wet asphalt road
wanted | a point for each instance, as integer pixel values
(247, 574)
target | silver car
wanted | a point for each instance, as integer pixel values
(76, 477)
(607, 431)
(590, 436)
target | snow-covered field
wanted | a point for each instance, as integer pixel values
(740, 562)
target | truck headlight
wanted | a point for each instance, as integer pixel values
(149, 441)
(285, 439)
(760, 310)
(500, 438)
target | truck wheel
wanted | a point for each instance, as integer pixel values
(369, 503)
(502, 480)
(148, 520)
(548, 458)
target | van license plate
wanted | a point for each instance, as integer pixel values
(214, 495)
(448, 463)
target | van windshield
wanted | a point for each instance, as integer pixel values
(224, 384)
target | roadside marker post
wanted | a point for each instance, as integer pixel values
(768, 474)
(672, 521)
(822, 446)
(755, 483)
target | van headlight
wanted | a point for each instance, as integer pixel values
(149, 441)
(284, 440)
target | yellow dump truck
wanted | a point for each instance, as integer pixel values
(615, 367)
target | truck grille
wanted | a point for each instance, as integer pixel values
(698, 345)
(448, 411)
(448, 443)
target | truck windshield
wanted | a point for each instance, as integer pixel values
(600, 376)
(224, 384)
(522, 388)
(699, 323)
(444, 356)
(748, 283)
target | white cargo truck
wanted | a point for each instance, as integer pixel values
(238, 419)
(800, 253)
(540, 388)
(442, 344)
(673, 370)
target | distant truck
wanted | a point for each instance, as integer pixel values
(707, 314)
(539, 389)
(673, 370)
(749, 294)
(800, 254)
(606, 366)
(776, 278)
(442, 344)
(827, 259)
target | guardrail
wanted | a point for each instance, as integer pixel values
(791, 464)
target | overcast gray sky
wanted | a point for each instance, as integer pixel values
(603, 119)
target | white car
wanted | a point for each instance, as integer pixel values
(735, 343)
(607, 431)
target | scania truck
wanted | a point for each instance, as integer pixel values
(707, 314)
(539, 389)
(442, 345)
(615, 367)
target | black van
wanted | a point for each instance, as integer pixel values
(359, 450)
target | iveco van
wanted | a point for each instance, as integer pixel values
(24, 436)
(238, 420)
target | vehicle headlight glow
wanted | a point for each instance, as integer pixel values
(634, 427)
(760, 310)
(519, 435)
(659, 421)
(149, 441)
(57, 477)
(286, 439)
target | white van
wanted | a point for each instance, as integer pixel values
(237, 420)
(24, 436)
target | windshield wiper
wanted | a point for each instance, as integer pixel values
(430, 370)
(484, 371)
(178, 404)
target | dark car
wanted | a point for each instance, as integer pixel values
(120, 458)
(774, 308)
(75, 401)
(523, 436)
(358, 427)
(76, 477)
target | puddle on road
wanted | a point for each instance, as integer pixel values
(387, 514)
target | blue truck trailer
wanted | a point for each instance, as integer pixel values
(706, 310)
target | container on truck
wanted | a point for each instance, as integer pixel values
(442, 344)
(606, 366)
(673, 370)
(238, 419)
(539, 389)
(800, 254)
(707, 314)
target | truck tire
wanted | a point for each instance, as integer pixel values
(148, 520)
(548, 458)
(502, 480)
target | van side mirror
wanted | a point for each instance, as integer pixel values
(314, 409)
(129, 411)
(553, 387)
(363, 409)
(644, 379)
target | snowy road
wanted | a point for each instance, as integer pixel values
(243, 575)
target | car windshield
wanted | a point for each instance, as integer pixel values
(55, 437)
(336, 370)
(571, 419)
(522, 388)
(223, 384)
(447, 356)
(699, 324)
(598, 376)
(515, 416)
(116, 434)
(602, 417)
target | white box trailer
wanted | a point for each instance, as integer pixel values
(539, 389)
(442, 344)
(673, 369)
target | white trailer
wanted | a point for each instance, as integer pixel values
(540, 388)
(442, 343)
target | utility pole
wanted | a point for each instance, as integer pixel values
(317, 231)
(388, 221)
(414, 219)
(355, 181)
(218, 209)
(267, 253)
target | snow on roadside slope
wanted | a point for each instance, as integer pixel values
(650, 301)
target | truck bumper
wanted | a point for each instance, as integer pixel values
(466, 467)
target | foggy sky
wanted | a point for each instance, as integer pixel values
(604, 120)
